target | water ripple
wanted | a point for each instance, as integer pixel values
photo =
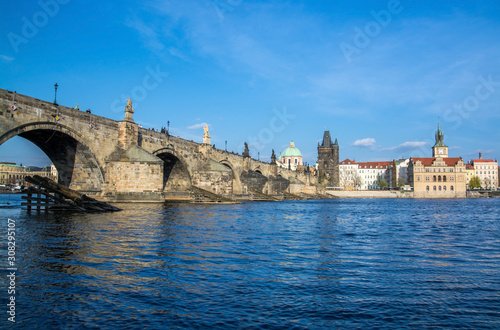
(306, 264)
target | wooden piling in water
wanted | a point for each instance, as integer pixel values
(52, 196)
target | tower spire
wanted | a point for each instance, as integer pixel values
(439, 137)
(439, 149)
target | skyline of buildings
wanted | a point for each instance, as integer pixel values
(369, 175)
(351, 175)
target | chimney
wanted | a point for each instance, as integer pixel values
(480, 156)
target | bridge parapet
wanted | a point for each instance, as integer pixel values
(77, 142)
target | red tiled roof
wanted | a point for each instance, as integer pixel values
(469, 166)
(483, 161)
(347, 161)
(427, 161)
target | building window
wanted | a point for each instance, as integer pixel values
(427, 188)
(418, 178)
(451, 188)
(427, 178)
(439, 188)
(439, 178)
(452, 178)
(444, 178)
(444, 188)
(434, 188)
(434, 178)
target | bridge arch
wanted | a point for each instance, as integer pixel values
(76, 161)
(237, 188)
(176, 174)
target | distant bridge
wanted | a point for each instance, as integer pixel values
(118, 160)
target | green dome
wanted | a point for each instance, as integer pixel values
(291, 151)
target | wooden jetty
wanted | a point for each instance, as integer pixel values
(49, 195)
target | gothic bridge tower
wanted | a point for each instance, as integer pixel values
(328, 161)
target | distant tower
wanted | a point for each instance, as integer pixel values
(328, 160)
(439, 149)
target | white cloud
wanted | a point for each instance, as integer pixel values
(407, 146)
(6, 58)
(198, 126)
(483, 152)
(148, 34)
(367, 142)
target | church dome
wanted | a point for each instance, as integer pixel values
(291, 151)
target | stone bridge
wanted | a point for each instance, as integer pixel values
(118, 160)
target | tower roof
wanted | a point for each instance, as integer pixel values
(439, 137)
(327, 140)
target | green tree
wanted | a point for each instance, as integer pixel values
(381, 182)
(475, 182)
(401, 182)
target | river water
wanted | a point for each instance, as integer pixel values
(341, 263)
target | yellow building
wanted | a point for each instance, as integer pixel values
(438, 176)
(13, 174)
(469, 168)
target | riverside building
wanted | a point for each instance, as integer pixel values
(438, 176)
(11, 173)
(487, 171)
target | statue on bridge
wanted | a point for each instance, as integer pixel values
(246, 152)
(273, 158)
(129, 111)
(206, 135)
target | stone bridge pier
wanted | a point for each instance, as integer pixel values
(120, 161)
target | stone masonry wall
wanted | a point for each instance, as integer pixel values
(134, 177)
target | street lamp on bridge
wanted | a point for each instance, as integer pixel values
(55, 94)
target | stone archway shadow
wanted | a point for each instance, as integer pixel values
(77, 165)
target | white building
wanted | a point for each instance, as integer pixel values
(401, 173)
(349, 177)
(487, 171)
(370, 171)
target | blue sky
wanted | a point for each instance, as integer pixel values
(377, 74)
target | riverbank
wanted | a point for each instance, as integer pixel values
(482, 193)
(370, 193)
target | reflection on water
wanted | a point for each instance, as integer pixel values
(305, 264)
